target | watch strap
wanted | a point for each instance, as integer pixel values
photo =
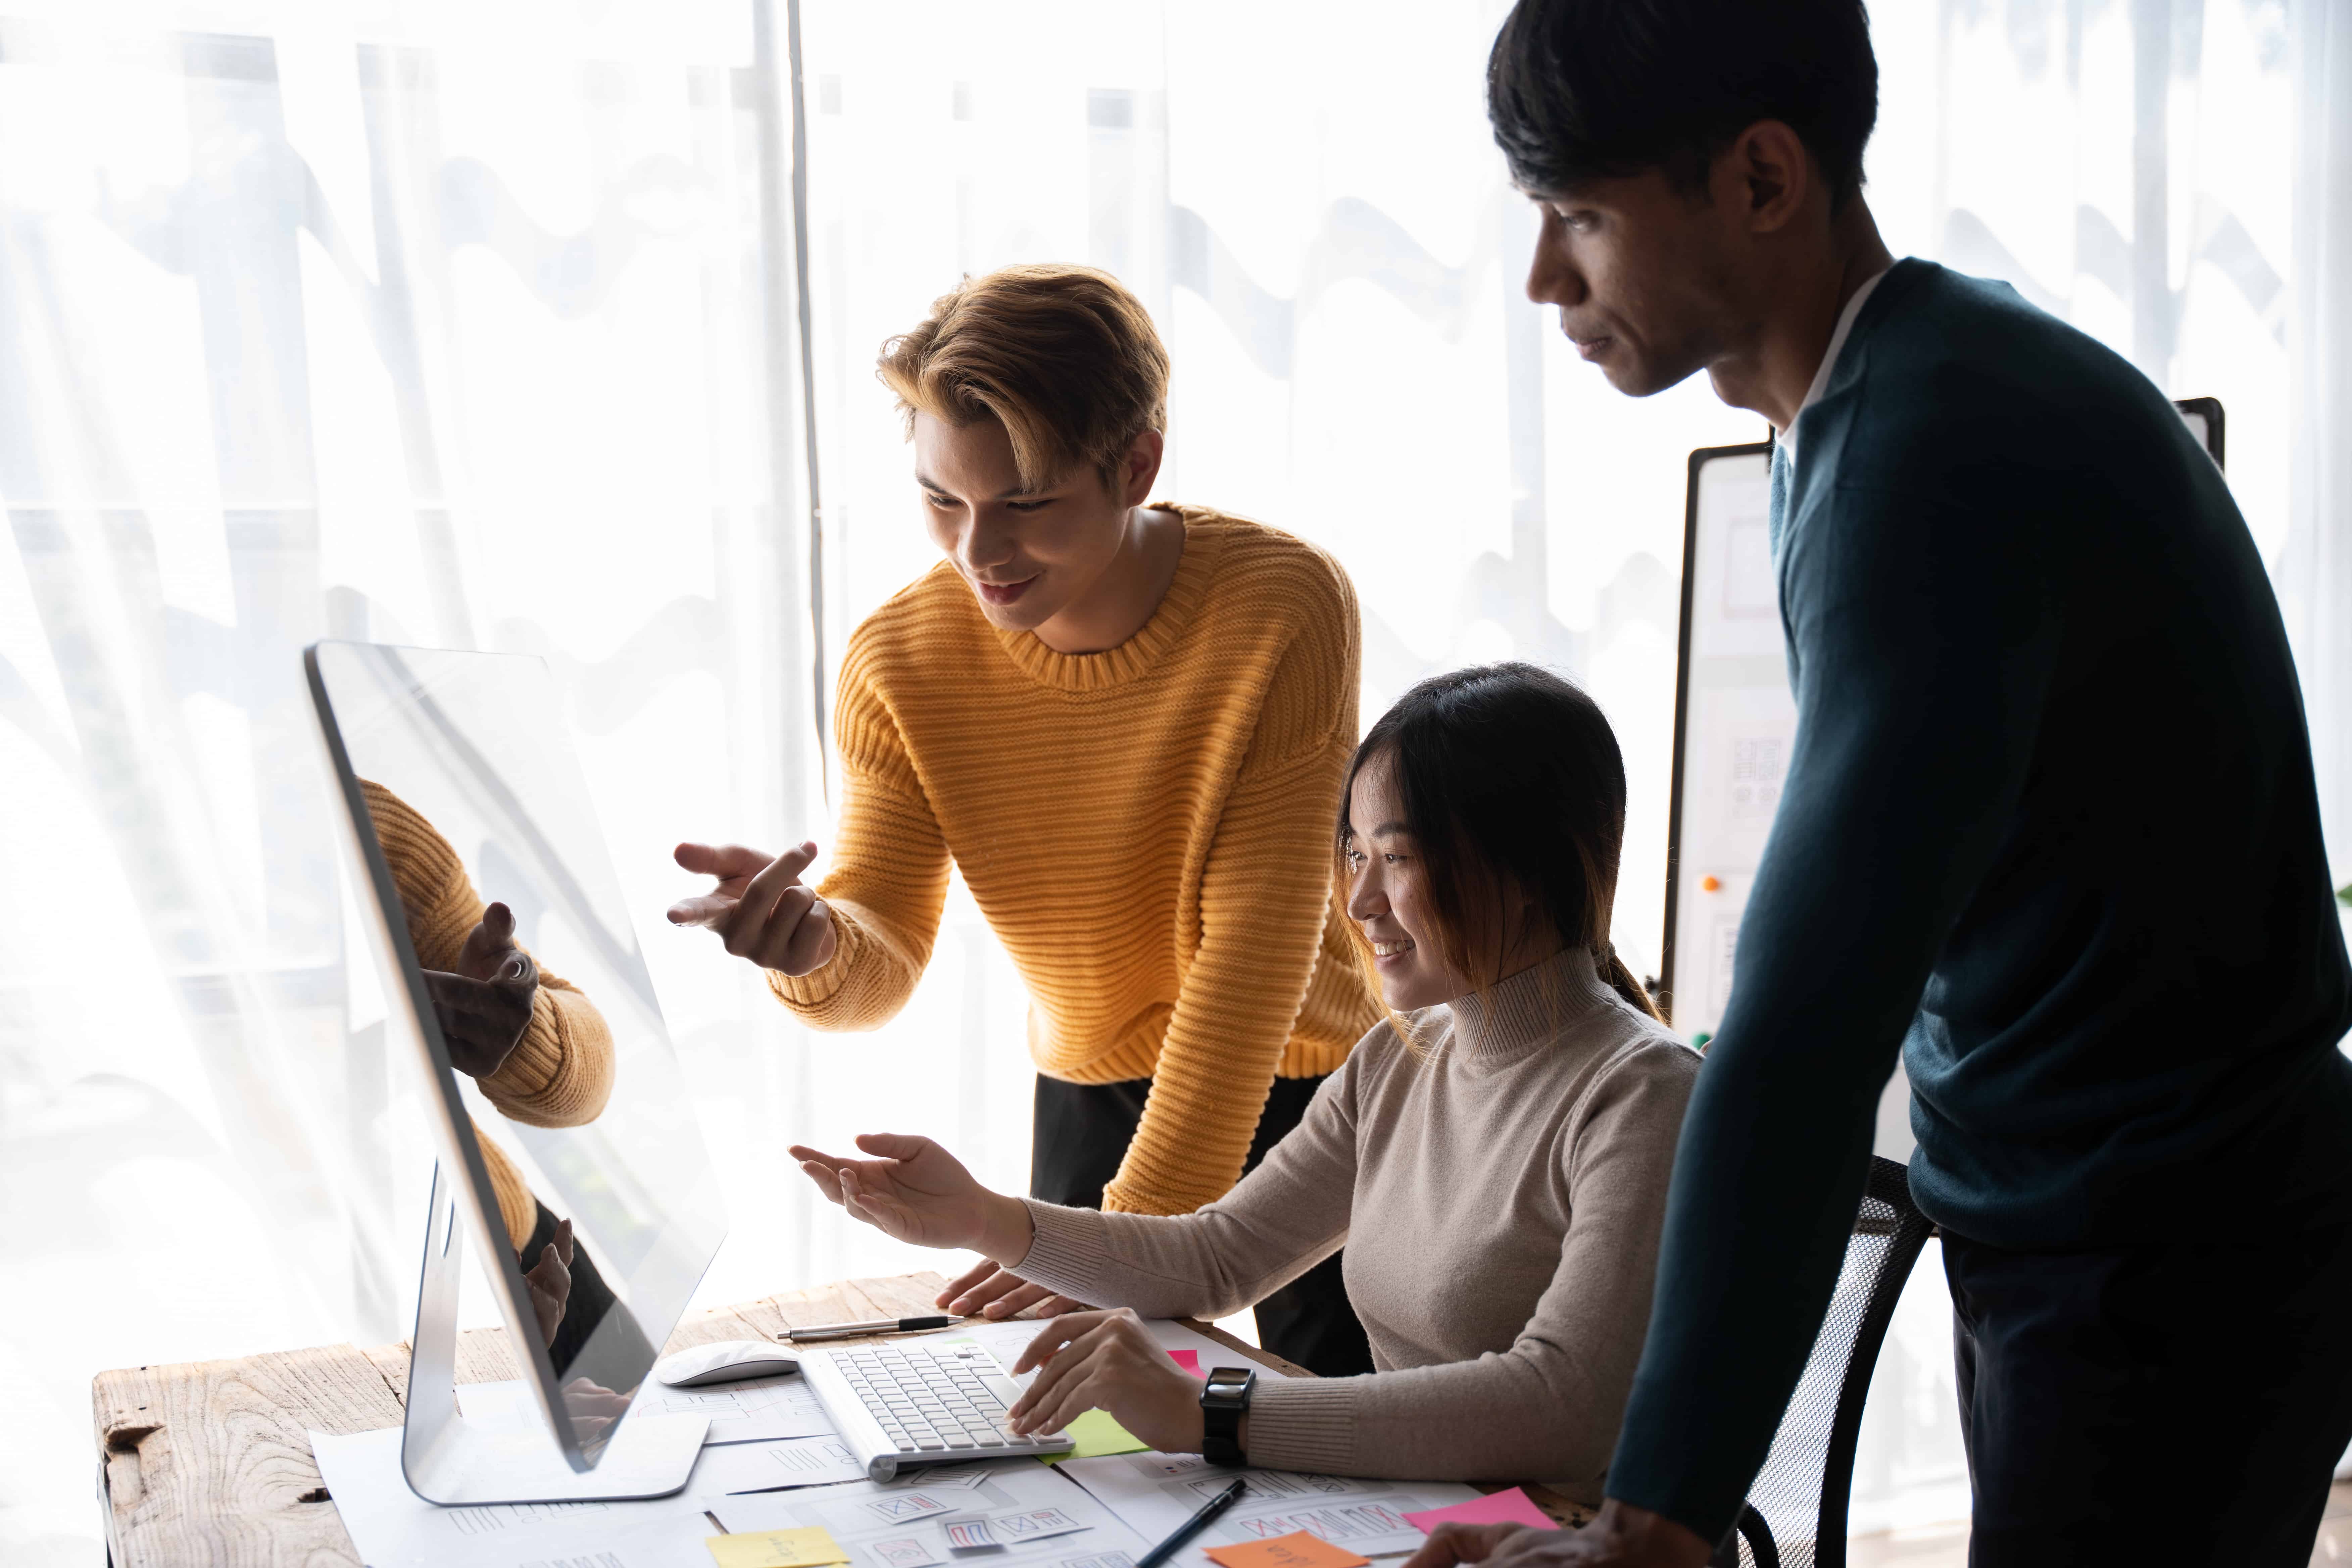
(1225, 1400)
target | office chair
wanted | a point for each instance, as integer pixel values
(1795, 1512)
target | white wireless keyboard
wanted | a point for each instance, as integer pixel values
(920, 1402)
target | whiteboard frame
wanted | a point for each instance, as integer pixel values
(1698, 460)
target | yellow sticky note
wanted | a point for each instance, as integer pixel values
(1094, 1435)
(811, 1548)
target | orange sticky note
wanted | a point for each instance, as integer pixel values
(1296, 1550)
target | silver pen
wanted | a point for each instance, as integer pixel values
(879, 1326)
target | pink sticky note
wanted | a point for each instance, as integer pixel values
(1188, 1360)
(1512, 1507)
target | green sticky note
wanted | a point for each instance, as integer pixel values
(1094, 1435)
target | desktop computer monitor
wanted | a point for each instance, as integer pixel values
(567, 1145)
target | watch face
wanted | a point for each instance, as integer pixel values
(1230, 1383)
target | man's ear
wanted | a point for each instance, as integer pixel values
(1767, 174)
(1142, 469)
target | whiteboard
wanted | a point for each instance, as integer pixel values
(1735, 721)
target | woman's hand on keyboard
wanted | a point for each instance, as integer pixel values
(987, 1290)
(1107, 1361)
(917, 1191)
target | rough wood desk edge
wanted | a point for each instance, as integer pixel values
(210, 1461)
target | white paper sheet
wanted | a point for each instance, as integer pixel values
(1155, 1493)
(904, 1552)
(938, 1478)
(1033, 1524)
(1006, 1341)
(762, 1467)
(753, 1412)
(759, 1411)
(1116, 1506)
(393, 1528)
(889, 1526)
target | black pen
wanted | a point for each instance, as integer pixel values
(1193, 1526)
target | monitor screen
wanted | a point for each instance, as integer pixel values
(551, 1076)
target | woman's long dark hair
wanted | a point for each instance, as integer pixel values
(1513, 788)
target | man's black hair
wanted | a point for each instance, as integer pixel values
(1583, 89)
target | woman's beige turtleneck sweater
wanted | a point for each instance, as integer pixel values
(1499, 1192)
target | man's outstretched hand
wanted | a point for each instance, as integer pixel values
(760, 909)
(1621, 1536)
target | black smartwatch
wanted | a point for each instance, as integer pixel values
(1225, 1400)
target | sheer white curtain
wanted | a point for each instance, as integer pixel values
(2315, 576)
(1316, 217)
(441, 324)
(471, 326)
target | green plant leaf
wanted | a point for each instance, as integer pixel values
(2344, 895)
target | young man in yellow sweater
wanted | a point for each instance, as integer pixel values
(1126, 725)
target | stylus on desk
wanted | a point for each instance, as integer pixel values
(1193, 1526)
(879, 1326)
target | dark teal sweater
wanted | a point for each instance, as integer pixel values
(2049, 824)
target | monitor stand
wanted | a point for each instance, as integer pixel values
(450, 1460)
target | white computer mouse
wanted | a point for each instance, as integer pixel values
(728, 1361)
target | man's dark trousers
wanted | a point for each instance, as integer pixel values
(1082, 1135)
(2170, 1403)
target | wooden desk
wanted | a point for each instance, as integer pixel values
(209, 1462)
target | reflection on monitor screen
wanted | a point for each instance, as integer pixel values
(600, 1200)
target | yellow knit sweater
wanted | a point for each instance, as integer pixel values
(561, 1073)
(1149, 830)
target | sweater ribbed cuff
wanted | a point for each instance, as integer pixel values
(1303, 1424)
(815, 988)
(1065, 1249)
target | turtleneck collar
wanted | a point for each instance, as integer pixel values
(1537, 1006)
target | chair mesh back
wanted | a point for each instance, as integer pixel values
(1797, 1504)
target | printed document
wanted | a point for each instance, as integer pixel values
(1158, 1492)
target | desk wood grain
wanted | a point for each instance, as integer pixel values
(207, 1464)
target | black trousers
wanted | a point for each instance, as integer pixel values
(586, 1310)
(1082, 1135)
(2194, 1398)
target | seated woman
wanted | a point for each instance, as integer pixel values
(1494, 1156)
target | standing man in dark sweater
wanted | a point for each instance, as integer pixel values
(2049, 825)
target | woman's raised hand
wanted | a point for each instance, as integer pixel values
(916, 1191)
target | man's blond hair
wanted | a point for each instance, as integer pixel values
(1064, 357)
